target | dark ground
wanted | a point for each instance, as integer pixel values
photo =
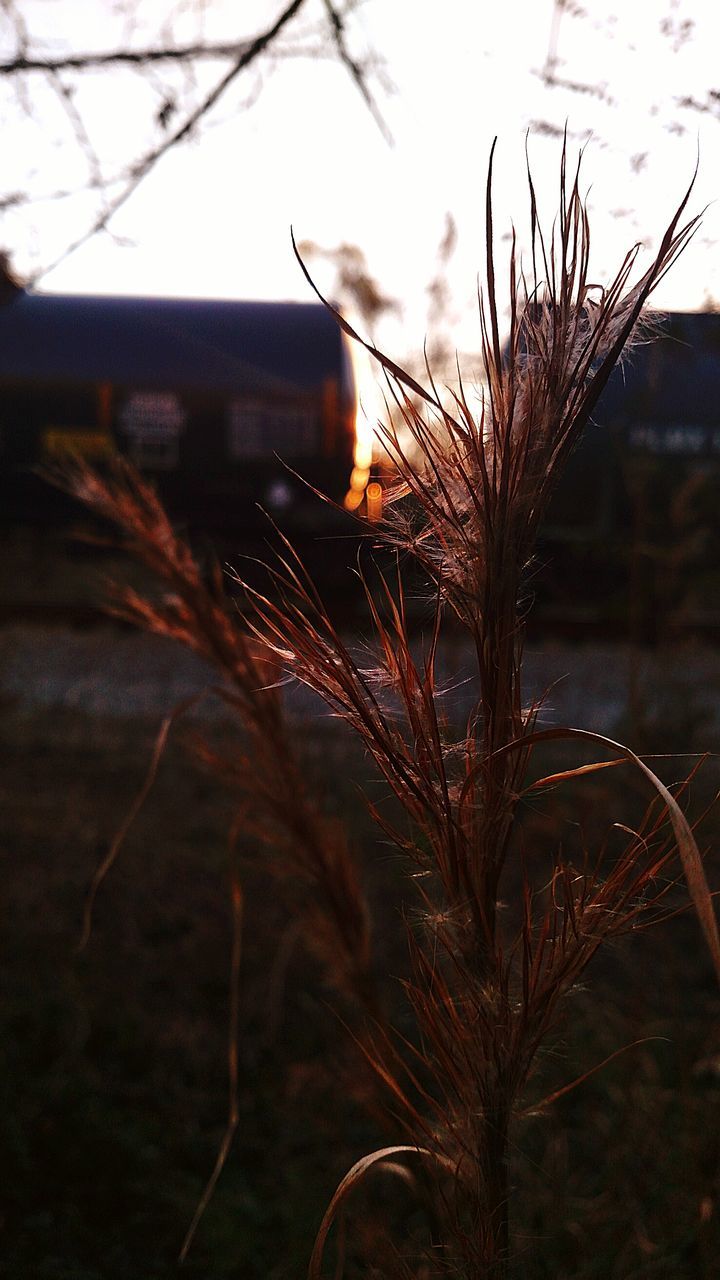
(113, 1070)
(112, 1062)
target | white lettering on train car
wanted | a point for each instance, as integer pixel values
(153, 422)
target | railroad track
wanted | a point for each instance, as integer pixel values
(50, 576)
(53, 575)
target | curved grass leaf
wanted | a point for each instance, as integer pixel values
(355, 1175)
(687, 846)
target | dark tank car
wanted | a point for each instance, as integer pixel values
(232, 408)
(228, 406)
(632, 538)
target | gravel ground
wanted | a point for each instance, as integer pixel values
(109, 671)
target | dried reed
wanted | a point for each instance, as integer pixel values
(311, 852)
(486, 985)
(467, 508)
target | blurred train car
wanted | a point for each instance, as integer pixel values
(233, 407)
(632, 538)
(220, 402)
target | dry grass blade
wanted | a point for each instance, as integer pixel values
(565, 775)
(233, 1099)
(555, 1096)
(395, 370)
(118, 840)
(355, 1175)
(686, 844)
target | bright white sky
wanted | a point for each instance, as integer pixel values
(214, 218)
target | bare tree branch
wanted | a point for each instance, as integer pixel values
(337, 26)
(178, 111)
(148, 162)
(126, 57)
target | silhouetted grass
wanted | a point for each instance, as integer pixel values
(498, 938)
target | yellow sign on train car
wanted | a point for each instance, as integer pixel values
(63, 442)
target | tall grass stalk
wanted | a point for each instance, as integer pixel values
(498, 945)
